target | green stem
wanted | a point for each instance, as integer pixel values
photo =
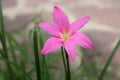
(109, 61)
(36, 53)
(68, 67)
(64, 62)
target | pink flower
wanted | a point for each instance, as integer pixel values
(65, 34)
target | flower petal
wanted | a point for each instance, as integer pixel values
(51, 44)
(49, 28)
(82, 40)
(60, 18)
(79, 23)
(70, 48)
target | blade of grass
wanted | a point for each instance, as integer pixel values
(2, 35)
(14, 57)
(29, 38)
(1, 20)
(41, 38)
(12, 50)
(2, 53)
(109, 61)
(16, 66)
(1, 75)
(20, 47)
(3, 40)
(36, 53)
(46, 68)
(86, 68)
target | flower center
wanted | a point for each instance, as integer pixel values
(65, 35)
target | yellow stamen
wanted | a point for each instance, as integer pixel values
(65, 35)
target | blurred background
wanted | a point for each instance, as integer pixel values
(103, 28)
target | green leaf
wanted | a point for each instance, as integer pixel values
(44, 62)
(87, 71)
(109, 61)
(20, 69)
(36, 52)
(12, 50)
(3, 40)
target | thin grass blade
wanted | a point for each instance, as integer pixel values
(36, 53)
(44, 62)
(109, 61)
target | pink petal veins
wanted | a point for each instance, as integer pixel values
(51, 44)
(82, 40)
(79, 23)
(70, 48)
(49, 28)
(60, 18)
